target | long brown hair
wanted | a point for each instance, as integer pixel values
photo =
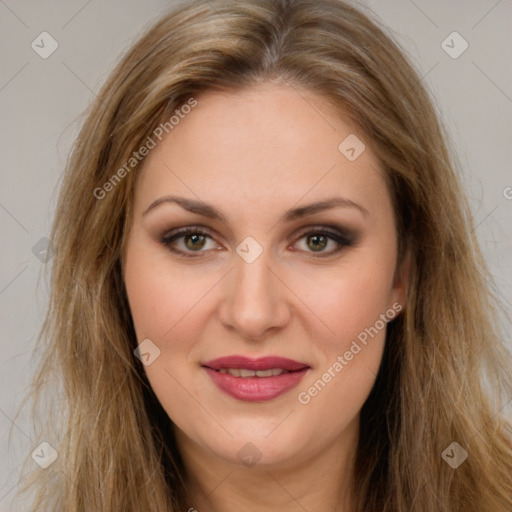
(445, 370)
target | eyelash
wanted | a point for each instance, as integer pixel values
(343, 239)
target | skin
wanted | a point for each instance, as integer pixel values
(253, 155)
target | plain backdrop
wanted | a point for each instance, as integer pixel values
(41, 101)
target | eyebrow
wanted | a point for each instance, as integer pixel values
(209, 211)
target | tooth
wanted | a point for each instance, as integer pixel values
(264, 373)
(242, 372)
(247, 373)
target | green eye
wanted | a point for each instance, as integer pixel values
(188, 240)
(317, 242)
(194, 241)
(325, 242)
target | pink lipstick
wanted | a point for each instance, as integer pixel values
(255, 380)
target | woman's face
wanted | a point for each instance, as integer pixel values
(290, 253)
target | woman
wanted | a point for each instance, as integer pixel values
(265, 294)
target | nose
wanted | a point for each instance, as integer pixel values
(255, 301)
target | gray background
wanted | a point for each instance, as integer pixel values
(41, 101)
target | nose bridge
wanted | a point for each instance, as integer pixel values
(254, 301)
(254, 279)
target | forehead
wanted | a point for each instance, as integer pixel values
(269, 145)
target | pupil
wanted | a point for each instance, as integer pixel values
(192, 240)
(317, 242)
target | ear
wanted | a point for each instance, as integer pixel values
(402, 280)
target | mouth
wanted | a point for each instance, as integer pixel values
(243, 372)
(255, 380)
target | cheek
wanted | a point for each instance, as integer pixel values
(347, 299)
(161, 295)
(352, 304)
(165, 303)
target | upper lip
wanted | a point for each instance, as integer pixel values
(262, 363)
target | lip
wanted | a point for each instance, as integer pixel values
(255, 389)
(262, 363)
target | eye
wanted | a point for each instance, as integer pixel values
(189, 240)
(325, 241)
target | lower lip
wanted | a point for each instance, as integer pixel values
(255, 389)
